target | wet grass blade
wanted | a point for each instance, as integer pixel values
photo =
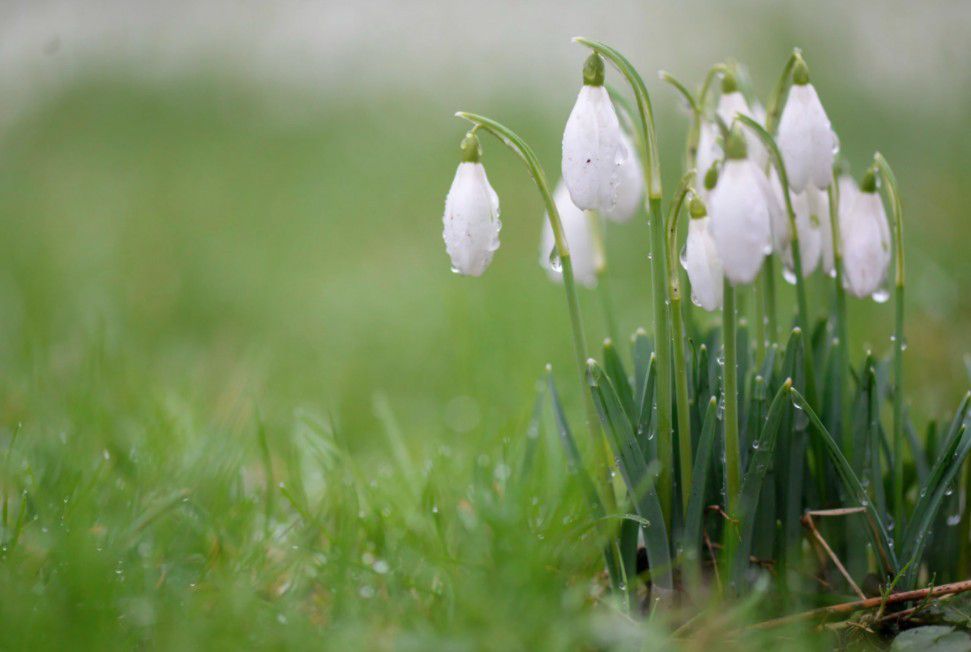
(573, 459)
(641, 352)
(851, 483)
(645, 410)
(637, 476)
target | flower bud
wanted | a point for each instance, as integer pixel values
(584, 253)
(630, 189)
(806, 137)
(471, 219)
(594, 152)
(702, 264)
(740, 219)
(866, 243)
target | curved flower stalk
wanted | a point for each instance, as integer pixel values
(775, 157)
(893, 195)
(698, 214)
(806, 137)
(525, 152)
(659, 262)
(594, 151)
(471, 220)
(578, 230)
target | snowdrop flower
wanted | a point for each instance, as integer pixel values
(630, 191)
(810, 236)
(585, 254)
(732, 103)
(819, 206)
(701, 260)
(806, 138)
(471, 217)
(594, 152)
(866, 241)
(740, 218)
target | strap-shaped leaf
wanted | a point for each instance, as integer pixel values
(614, 367)
(760, 462)
(635, 471)
(573, 459)
(851, 483)
(699, 476)
(957, 444)
(645, 410)
(641, 351)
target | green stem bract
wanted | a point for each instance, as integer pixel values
(733, 457)
(514, 142)
(890, 181)
(677, 327)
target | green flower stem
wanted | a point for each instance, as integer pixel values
(760, 316)
(842, 328)
(733, 456)
(694, 132)
(659, 264)
(677, 327)
(774, 110)
(801, 301)
(890, 182)
(525, 152)
(771, 323)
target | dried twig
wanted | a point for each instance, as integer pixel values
(807, 520)
(869, 603)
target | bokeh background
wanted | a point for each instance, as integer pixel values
(242, 200)
(223, 214)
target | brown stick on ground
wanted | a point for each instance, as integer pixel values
(807, 521)
(869, 603)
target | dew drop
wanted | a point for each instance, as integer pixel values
(555, 263)
(882, 295)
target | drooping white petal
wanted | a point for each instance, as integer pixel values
(471, 220)
(866, 245)
(819, 206)
(703, 266)
(708, 153)
(593, 150)
(810, 239)
(806, 139)
(630, 191)
(731, 104)
(577, 229)
(740, 221)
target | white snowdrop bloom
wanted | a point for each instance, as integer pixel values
(732, 103)
(585, 255)
(778, 215)
(866, 242)
(703, 265)
(810, 237)
(740, 219)
(819, 206)
(806, 137)
(848, 192)
(471, 217)
(708, 152)
(630, 191)
(594, 152)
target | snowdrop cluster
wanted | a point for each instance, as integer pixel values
(748, 215)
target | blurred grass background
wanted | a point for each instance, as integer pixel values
(184, 255)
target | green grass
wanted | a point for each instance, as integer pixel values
(183, 270)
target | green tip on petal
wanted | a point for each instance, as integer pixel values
(869, 181)
(800, 72)
(729, 83)
(697, 208)
(735, 146)
(470, 148)
(593, 71)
